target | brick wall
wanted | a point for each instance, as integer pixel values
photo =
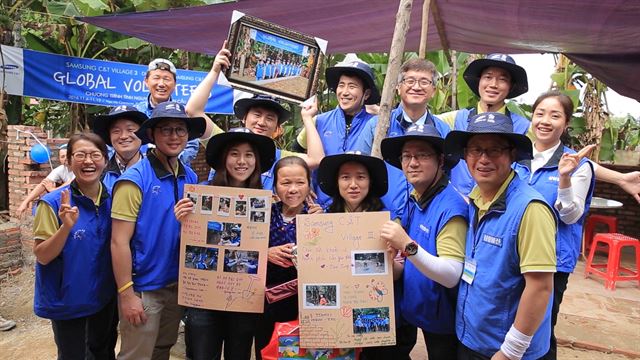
(10, 248)
(629, 214)
(199, 165)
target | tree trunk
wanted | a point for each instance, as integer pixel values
(393, 69)
(422, 53)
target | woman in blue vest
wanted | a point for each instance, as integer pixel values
(292, 184)
(354, 181)
(566, 180)
(238, 156)
(74, 284)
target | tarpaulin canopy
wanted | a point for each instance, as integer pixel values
(603, 37)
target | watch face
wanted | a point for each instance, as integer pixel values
(411, 248)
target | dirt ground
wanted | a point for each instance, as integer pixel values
(33, 338)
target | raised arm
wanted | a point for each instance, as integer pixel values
(315, 151)
(629, 182)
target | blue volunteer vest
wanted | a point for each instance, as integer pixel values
(267, 176)
(425, 303)
(156, 239)
(487, 308)
(545, 180)
(460, 175)
(79, 281)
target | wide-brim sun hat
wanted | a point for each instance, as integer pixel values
(265, 147)
(361, 69)
(242, 106)
(101, 124)
(519, 83)
(172, 110)
(330, 165)
(391, 147)
(490, 123)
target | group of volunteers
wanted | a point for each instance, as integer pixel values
(486, 209)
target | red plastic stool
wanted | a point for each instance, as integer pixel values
(613, 271)
(590, 225)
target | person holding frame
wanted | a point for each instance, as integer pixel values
(238, 157)
(263, 115)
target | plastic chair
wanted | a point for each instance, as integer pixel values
(613, 271)
(592, 221)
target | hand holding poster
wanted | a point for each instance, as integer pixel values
(223, 249)
(345, 281)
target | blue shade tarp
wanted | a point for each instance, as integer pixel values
(601, 36)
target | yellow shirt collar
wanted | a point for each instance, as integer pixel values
(480, 203)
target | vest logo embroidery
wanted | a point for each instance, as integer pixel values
(328, 133)
(393, 133)
(78, 234)
(554, 178)
(492, 240)
(424, 228)
(155, 190)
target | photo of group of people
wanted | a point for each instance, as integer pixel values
(240, 207)
(272, 61)
(325, 296)
(371, 320)
(241, 261)
(201, 258)
(223, 233)
(368, 263)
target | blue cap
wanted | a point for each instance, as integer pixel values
(359, 68)
(264, 145)
(100, 124)
(175, 111)
(391, 147)
(242, 106)
(519, 83)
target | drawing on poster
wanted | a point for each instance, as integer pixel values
(201, 258)
(371, 320)
(206, 206)
(372, 262)
(241, 261)
(224, 233)
(321, 296)
(241, 208)
(224, 206)
(377, 290)
(258, 216)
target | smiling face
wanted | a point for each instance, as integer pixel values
(166, 138)
(353, 183)
(423, 167)
(161, 84)
(494, 85)
(88, 170)
(123, 137)
(261, 121)
(489, 172)
(351, 94)
(292, 186)
(240, 163)
(416, 95)
(549, 122)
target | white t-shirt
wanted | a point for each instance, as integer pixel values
(61, 175)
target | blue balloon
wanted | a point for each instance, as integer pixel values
(40, 153)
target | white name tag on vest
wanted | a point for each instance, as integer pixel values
(469, 271)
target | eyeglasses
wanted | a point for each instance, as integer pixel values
(492, 153)
(410, 82)
(82, 156)
(406, 158)
(168, 130)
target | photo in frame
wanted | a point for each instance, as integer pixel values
(272, 60)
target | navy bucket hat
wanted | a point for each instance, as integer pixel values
(242, 106)
(265, 147)
(330, 165)
(359, 68)
(519, 83)
(490, 123)
(100, 124)
(391, 147)
(174, 111)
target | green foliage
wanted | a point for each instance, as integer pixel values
(50, 115)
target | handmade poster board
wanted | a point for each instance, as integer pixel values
(345, 281)
(223, 249)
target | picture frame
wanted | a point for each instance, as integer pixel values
(269, 59)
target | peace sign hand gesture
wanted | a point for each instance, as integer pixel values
(67, 213)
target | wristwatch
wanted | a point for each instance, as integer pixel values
(410, 249)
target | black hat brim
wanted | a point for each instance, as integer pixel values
(265, 147)
(333, 74)
(456, 141)
(391, 148)
(242, 106)
(196, 127)
(328, 173)
(101, 124)
(519, 83)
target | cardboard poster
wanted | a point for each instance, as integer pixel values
(345, 281)
(223, 249)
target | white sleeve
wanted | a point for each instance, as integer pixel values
(571, 201)
(56, 175)
(444, 271)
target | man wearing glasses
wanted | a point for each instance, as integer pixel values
(146, 235)
(160, 79)
(503, 302)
